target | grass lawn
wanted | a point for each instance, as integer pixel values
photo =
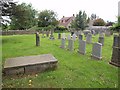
(74, 70)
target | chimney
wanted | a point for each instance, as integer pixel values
(63, 16)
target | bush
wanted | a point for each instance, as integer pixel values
(99, 22)
(60, 28)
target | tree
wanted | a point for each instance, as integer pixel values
(23, 17)
(7, 8)
(99, 22)
(80, 21)
(46, 18)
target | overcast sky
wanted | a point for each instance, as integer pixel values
(106, 9)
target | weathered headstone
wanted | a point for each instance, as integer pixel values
(63, 36)
(47, 33)
(63, 41)
(80, 37)
(59, 35)
(82, 47)
(115, 60)
(69, 37)
(70, 45)
(37, 39)
(101, 34)
(107, 33)
(51, 35)
(101, 40)
(97, 51)
(74, 37)
(89, 38)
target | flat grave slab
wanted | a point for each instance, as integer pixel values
(29, 64)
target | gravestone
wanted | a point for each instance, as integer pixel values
(37, 39)
(74, 37)
(115, 60)
(29, 64)
(97, 51)
(101, 40)
(62, 43)
(89, 38)
(107, 33)
(80, 37)
(47, 33)
(63, 36)
(82, 47)
(59, 35)
(101, 35)
(51, 35)
(76, 32)
(69, 37)
(70, 45)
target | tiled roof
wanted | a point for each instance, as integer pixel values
(65, 21)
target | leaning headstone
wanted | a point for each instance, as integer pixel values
(37, 39)
(115, 60)
(101, 40)
(62, 43)
(70, 45)
(82, 47)
(74, 37)
(69, 37)
(59, 35)
(89, 38)
(97, 51)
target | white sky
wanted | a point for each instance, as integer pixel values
(106, 9)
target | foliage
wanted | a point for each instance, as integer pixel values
(60, 28)
(46, 18)
(99, 22)
(116, 26)
(23, 17)
(72, 67)
(7, 8)
(80, 21)
(109, 23)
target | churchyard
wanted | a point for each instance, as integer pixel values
(77, 67)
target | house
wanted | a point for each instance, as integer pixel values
(66, 21)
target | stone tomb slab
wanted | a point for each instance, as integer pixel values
(29, 64)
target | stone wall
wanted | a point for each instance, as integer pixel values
(17, 32)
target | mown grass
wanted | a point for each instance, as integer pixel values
(74, 70)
